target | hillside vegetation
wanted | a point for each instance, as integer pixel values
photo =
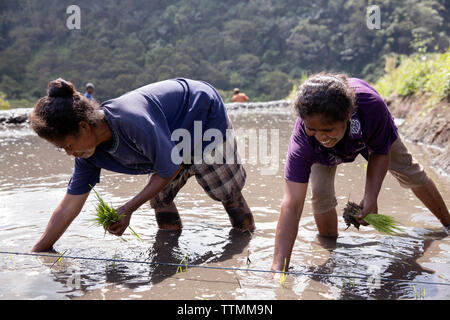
(260, 46)
(424, 76)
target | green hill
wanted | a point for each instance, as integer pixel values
(260, 46)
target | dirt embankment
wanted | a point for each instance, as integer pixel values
(428, 125)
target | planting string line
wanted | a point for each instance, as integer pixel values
(293, 273)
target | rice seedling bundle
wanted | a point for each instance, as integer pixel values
(382, 223)
(106, 215)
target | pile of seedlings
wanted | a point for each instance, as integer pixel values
(382, 223)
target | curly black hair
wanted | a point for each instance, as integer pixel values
(325, 94)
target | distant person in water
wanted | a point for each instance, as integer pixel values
(89, 91)
(339, 118)
(132, 134)
(238, 96)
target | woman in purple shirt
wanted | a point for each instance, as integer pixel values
(132, 134)
(339, 118)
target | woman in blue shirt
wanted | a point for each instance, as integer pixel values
(132, 134)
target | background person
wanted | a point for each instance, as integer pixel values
(238, 96)
(89, 91)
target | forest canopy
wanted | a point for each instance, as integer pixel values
(261, 46)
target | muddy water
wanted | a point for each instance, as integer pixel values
(33, 179)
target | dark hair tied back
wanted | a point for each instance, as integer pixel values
(58, 114)
(60, 88)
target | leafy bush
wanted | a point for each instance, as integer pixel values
(4, 105)
(419, 75)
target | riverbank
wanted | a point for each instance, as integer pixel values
(429, 125)
(20, 115)
(14, 116)
(417, 89)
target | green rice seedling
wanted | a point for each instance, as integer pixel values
(350, 281)
(185, 260)
(113, 265)
(419, 296)
(107, 215)
(382, 223)
(283, 275)
(135, 234)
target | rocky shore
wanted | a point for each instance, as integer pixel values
(17, 116)
(428, 125)
(255, 105)
(14, 116)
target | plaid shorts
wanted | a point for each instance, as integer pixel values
(222, 182)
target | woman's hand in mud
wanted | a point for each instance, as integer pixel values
(276, 276)
(119, 228)
(447, 229)
(49, 250)
(369, 206)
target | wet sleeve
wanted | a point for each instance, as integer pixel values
(298, 160)
(152, 137)
(380, 129)
(83, 175)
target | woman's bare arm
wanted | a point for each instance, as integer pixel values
(67, 210)
(287, 228)
(377, 168)
(153, 187)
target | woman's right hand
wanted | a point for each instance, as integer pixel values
(276, 276)
(49, 250)
(62, 217)
(287, 226)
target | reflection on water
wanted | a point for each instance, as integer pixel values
(34, 175)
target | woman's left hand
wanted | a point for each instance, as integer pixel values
(369, 206)
(119, 228)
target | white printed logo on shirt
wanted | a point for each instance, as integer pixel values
(355, 126)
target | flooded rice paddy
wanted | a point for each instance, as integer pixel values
(34, 176)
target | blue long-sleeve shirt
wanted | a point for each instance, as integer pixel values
(142, 122)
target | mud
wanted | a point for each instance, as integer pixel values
(34, 177)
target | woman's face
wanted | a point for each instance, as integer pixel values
(81, 146)
(326, 133)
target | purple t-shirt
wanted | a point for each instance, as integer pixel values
(371, 129)
(142, 122)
